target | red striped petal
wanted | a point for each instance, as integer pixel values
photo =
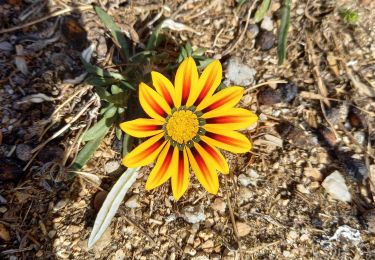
(206, 175)
(164, 87)
(152, 103)
(186, 79)
(210, 80)
(164, 167)
(221, 163)
(180, 180)
(145, 153)
(222, 100)
(226, 139)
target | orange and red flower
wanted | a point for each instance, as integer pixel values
(188, 122)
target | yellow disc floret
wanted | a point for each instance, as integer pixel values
(182, 126)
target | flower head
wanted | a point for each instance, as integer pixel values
(188, 123)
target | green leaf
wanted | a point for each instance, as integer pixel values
(115, 31)
(98, 81)
(184, 53)
(204, 63)
(350, 16)
(199, 52)
(120, 99)
(101, 72)
(127, 144)
(261, 11)
(85, 154)
(118, 133)
(116, 90)
(102, 126)
(283, 31)
(104, 78)
(240, 3)
(189, 49)
(103, 94)
(155, 38)
(111, 204)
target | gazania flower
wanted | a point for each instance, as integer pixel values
(188, 123)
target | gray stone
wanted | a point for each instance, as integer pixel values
(132, 202)
(193, 214)
(265, 40)
(111, 166)
(59, 205)
(267, 24)
(244, 195)
(23, 152)
(347, 234)
(238, 73)
(119, 255)
(253, 30)
(244, 180)
(219, 205)
(335, 185)
(360, 137)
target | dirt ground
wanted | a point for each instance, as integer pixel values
(317, 122)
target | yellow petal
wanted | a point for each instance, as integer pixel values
(202, 167)
(218, 160)
(230, 119)
(165, 166)
(145, 153)
(226, 139)
(164, 87)
(180, 178)
(142, 127)
(208, 82)
(152, 103)
(186, 79)
(222, 100)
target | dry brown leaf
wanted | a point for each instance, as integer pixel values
(4, 233)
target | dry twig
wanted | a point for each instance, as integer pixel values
(233, 220)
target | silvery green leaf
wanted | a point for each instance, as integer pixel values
(111, 204)
(86, 53)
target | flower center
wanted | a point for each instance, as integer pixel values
(182, 126)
